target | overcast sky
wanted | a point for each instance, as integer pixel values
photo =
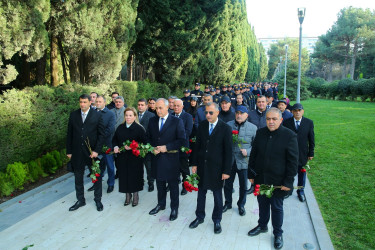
(276, 18)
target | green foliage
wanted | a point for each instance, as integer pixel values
(6, 187)
(344, 147)
(315, 85)
(35, 170)
(49, 163)
(291, 83)
(17, 174)
(56, 155)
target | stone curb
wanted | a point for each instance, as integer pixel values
(35, 191)
(320, 228)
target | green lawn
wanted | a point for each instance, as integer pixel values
(343, 170)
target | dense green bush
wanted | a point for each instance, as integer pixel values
(17, 174)
(315, 85)
(49, 164)
(56, 155)
(344, 88)
(34, 120)
(35, 171)
(6, 187)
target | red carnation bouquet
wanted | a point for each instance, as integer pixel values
(191, 182)
(304, 168)
(139, 149)
(95, 168)
(186, 150)
(267, 190)
(194, 139)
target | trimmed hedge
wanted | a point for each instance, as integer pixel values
(34, 120)
(343, 89)
(16, 175)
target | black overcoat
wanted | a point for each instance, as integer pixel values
(305, 138)
(274, 158)
(78, 132)
(166, 166)
(213, 156)
(129, 166)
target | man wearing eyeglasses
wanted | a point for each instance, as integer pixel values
(212, 162)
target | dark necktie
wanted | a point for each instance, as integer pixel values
(161, 124)
(297, 125)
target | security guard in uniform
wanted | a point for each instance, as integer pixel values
(197, 92)
(186, 99)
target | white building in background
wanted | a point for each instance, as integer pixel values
(307, 42)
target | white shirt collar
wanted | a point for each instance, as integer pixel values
(85, 112)
(297, 120)
(217, 119)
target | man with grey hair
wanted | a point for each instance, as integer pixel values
(166, 134)
(119, 110)
(278, 145)
(212, 162)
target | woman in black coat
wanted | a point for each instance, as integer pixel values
(130, 167)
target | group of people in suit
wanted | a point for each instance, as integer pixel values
(268, 150)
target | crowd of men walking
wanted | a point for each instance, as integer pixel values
(274, 141)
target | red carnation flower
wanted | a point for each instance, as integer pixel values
(97, 174)
(303, 170)
(190, 140)
(258, 95)
(133, 145)
(136, 152)
(235, 132)
(190, 151)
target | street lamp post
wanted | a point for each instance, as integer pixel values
(286, 59)
(301, 16)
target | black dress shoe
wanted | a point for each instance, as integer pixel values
(195, 223)
(167, 188)
(250, 190)
(226, 207)
(99, 206)
(110, 189)
(174, 214)
(88, 175)
(77, 205)
(150, 187)
(233, 191)
(278, 243)
(286, 196)
(257, 230)
(217, 228)
(241, 211)
(91, 188)
(116, 175)
(301, 197)
(156, 210)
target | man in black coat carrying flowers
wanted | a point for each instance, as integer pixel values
(273, 161)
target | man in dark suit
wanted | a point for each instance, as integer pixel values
(273, 161)
(166, 133)
(212, 162)
(144, 116)
(304, 128)
(109, 122)
(187, 119)
(85, 125)
(112, 104)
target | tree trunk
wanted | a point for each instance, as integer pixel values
(354, 58)
(343, 75)
(130, 68)
(330, 66)
(81, 63)
(24, 74)
(63, 60)
(54, 62)
(73, 70)
(41, 70)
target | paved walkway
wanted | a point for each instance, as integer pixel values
(41, 218)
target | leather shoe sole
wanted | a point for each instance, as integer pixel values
(151, 188)
(257, 230)
(156, 210)
(91, 188)
(183, 191)
(195, 223)
(77, 205)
